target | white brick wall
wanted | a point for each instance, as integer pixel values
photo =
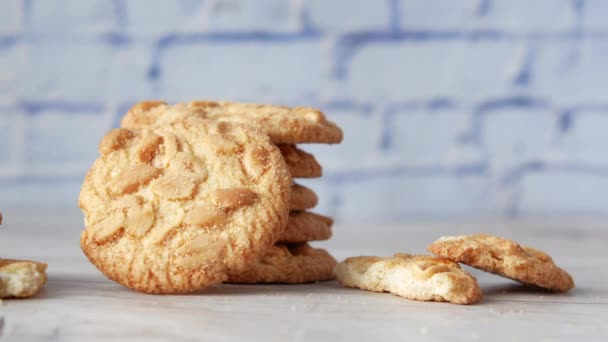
(11, 16)
(425, 137)
(93, 71)
(422, 69)
(439, 15)
(70, 18)
(353, 15)
(563, 193)
(242, 70)
(526, 16)
(460, 108)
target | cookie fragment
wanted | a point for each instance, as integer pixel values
(506, 258)
(175, 208)
(284, 125)
(21, 278)
(302, 198)
(289, 264)
(417, 277)
(304, 226)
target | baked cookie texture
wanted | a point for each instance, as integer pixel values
(21, 278)
(289, 264)
(506, 258)
(284, 125)
(304, 226)
(417, 277)
(302, 198)
(177, 207)
(300, 164)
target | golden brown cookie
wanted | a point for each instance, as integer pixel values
(175, 209)
(21, 278)
(300, 164)
(504, 257)
(284, 125)
(418, 277)
(304, 226)
(302, 198)
(289, 264)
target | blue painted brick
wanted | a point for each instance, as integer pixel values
(416, 197)
(346, 15)
(564, 193)
(428, 137)
(511, 136)
(524, 15)
(258, 16)
(424, 69)
(586, 141)
(72, 18)
(569, 71)
(153, 18)
(595, 13)
(11, 16)
(361, 144)
(9, 128)
(439, 15)
(250, 70)
(56, 137)
(10, 59)
(91, 72)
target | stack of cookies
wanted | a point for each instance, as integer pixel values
(190, 195)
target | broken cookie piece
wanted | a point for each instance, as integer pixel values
(21, 278)
(417, 277)
(506, 258)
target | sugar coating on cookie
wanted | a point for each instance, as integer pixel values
(302, 198)
(301, 164)
(289, 264)
(418, 277)
(506, 258)
(21, 278)
(284, 125)
(174, 209)
(304, 226)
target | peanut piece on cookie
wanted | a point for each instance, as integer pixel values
(506, 258)
(417, 277)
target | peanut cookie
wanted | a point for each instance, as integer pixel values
(302, 198)
(304, 226)
(284, 125)
(21, 278)
(506, 258)
(175, 209)
(289, 264)
(418, 277)
(300, 164)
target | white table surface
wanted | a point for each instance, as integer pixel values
(80, 304)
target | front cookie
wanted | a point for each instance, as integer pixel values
(176, 209)
(289, 264)
(506, 258)
(418, 277)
